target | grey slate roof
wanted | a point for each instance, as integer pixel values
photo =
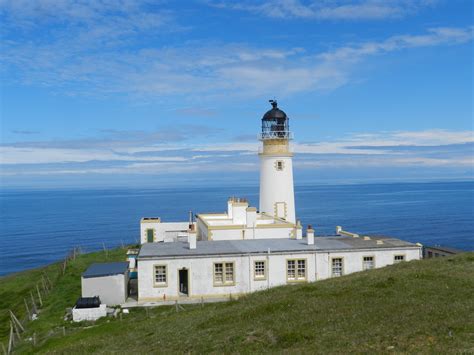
(257, 246)
(106, 269)
(444, 249)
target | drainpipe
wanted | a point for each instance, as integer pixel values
(250, 274)
(268, 268)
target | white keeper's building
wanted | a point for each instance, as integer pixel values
(244, 249)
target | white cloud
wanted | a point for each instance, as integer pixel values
(327, 10)
(91, 50)
(430, 148)
(434, 37)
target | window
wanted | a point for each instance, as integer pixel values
(337, 267)
(161, 278)
(279, 165)
(150, 235)
(398, 258)
(259, 270)
(229, 272)
(223, 274)
(368, 263)
(296, 270)
(280, 209)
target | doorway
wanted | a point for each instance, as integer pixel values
(150, 234)
(183, 282)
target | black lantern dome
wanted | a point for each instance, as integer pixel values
(275, 123)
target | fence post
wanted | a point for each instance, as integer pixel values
(27, 309)
(39, 295)
(16, 322)
(34, 308)
(64, 331)
(11, 340)
(45, 287)
(106, 251)
(49, 281)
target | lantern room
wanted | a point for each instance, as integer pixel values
(275, 123)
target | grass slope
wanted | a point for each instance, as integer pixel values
(16, 287)
(420, 306)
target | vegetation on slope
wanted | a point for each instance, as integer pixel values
(66, 288)
(417, 306)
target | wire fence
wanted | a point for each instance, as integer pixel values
(33, 303)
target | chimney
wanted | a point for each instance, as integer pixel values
(310, 235)
(192, 239)
(299, 230)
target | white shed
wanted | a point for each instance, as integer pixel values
(109, 281)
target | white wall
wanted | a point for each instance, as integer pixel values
(352, 261)
(201, 272)
(90, 314)
(201, 276)
(164, 231)
(276, 186)
(112, 289)
(251, 233)
(201, 230)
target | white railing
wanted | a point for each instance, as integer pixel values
(276, 135)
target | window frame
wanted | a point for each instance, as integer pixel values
(342, 266)
(160, 284)
(153, 234)
(259, 277)
(399, 261)
(224, 274)
(363, 262)
(297, 278)
(279, 165)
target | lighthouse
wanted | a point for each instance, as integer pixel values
(277, 196)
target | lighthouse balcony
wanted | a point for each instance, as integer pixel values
(275, 135)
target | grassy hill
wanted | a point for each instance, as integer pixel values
(419, 306)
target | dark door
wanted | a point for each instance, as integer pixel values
(183, 281)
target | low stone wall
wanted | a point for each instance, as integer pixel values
(81, 314)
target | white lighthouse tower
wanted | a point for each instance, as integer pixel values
(277, 196)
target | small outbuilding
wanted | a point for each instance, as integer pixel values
(109, 281)
(89, 309)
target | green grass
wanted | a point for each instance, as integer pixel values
(419, 306)
(66, 289)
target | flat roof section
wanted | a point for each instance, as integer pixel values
(106, 269)
(261, 246)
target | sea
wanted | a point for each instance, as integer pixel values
(38, 227)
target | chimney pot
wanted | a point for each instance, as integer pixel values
(310, 235)
(192, 239)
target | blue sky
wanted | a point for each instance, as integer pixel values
(155, 93)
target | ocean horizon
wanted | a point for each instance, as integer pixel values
(40, 226)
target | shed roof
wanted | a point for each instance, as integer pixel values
(444, 249)
(106, 269)
(258, 246)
